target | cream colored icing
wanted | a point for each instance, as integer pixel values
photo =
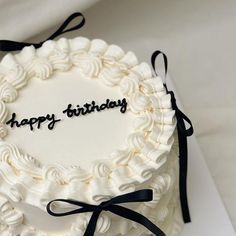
(149, 158)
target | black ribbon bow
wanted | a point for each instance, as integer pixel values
(111, 205)
(183, 133)
(8, 45)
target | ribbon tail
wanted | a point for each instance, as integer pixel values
(183, 169)
(90, 230)
(136, 217)
(183, 156)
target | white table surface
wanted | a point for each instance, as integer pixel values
(208, 214)
(199, 39)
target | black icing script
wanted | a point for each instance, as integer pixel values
(70, 111)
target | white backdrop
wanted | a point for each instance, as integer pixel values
(199, 38)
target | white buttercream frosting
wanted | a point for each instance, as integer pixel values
(148, 159)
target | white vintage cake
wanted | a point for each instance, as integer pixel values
(84, 120)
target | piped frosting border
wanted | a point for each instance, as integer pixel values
(147, 148)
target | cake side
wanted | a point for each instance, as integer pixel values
(148, 161)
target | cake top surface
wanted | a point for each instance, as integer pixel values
(122, 148)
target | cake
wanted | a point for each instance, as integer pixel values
(81, 119)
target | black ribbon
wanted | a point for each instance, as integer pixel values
(8, 45)
(183, 133)
(111, 205)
